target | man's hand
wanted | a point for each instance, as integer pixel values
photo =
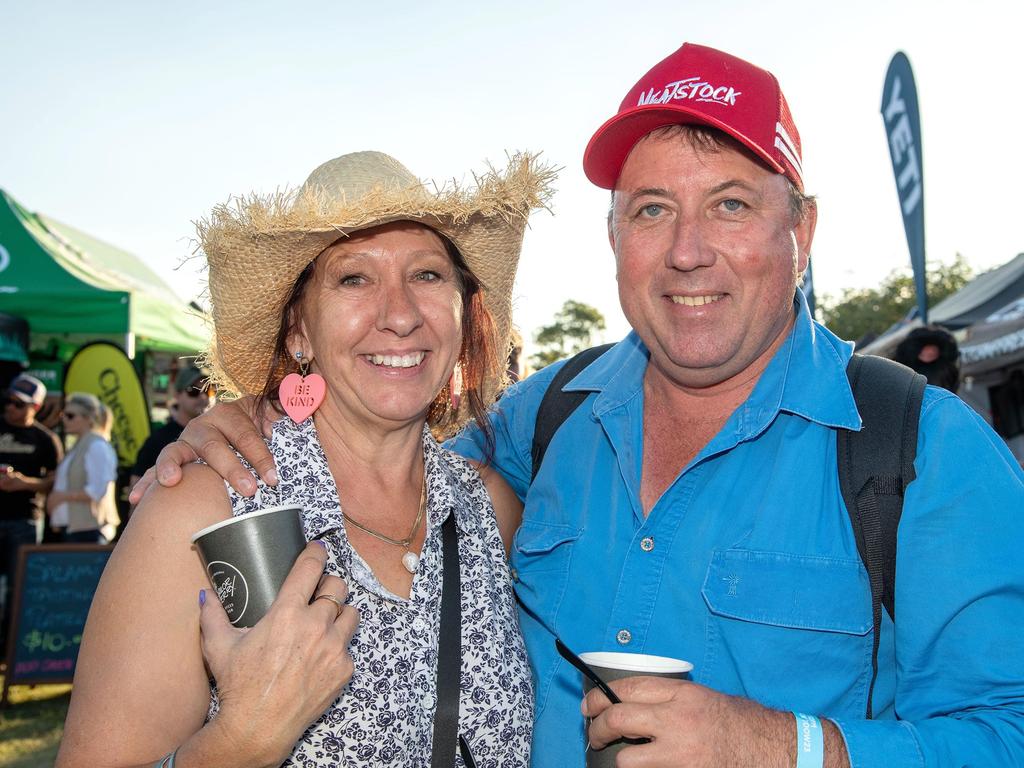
(15, 481)
(693, 725)
(214, 437)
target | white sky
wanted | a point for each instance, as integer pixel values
(130, 120)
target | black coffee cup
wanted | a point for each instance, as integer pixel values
(248, 557)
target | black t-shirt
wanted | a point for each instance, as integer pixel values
(34, 452)
(155, 443)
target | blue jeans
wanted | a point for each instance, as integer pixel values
(13, 533)
(84, 537)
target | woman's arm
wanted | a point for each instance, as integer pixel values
(507, 506)
(141, 685)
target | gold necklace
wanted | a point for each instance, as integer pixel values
(410, 560)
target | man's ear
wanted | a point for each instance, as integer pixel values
(611, 223)
(804, 231)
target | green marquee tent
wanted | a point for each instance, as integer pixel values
(66, 283)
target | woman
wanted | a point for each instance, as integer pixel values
(368, 281)
(81, 503)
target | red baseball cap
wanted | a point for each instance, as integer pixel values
(701, 86)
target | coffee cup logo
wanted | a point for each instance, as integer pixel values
(231, 587)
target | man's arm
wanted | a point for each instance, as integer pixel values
(15, 481)
(708, 728)
(959, 604)
(512, 421)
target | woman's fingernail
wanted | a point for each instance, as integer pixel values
(321, 542)
(272, 477)
(247, 485)
(202, 597)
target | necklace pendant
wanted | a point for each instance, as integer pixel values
(411, 561)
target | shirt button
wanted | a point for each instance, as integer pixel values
(515, 575)
(624, 636)
(647, 543)
(428, 701)
(419, 624)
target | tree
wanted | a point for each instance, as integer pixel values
(574, 329)
(863, 313)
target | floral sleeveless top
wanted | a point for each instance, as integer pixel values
(384, 716)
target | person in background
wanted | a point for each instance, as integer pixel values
(932, 351)
(29, 454)
(191, 396)
(516, 369)
(81, 503)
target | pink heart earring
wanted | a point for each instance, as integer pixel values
(301, 393)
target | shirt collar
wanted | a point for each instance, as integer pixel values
(442, 478)
(806, 377)
(443, 483)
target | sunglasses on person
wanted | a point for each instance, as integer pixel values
(194, 391)
(19, 404)
(69, 415)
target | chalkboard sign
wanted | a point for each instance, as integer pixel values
(53, 590)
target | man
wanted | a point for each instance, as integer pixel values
(691, 506)
(191, 397)
(29, 455)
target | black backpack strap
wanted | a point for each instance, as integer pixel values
(556, 405)
(876, 464)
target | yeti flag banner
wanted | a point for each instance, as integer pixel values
(903, 129)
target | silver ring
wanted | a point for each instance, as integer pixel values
(338, 605)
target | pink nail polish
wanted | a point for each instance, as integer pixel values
(202, 597)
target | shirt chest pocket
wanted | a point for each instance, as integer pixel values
(777, 620)
(541, 557)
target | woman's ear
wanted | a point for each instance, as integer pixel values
(298, 341)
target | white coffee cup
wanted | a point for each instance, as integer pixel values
(612, 665)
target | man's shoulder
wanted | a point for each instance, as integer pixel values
(159, 438)
(164, 434)
(46, 435)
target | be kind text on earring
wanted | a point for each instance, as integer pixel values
(301, 393)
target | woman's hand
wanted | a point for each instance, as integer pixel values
(53, 498)
(214, 437)
(280, 676)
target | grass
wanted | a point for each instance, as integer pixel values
(31, 725)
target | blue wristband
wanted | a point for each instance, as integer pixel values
(810, 742)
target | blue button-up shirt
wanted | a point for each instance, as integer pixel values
(748, 568)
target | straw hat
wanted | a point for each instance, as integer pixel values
(256, 246)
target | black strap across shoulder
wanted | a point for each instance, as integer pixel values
(556, 406)
(449, 651)
(875, 464)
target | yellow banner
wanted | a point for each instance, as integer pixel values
(104, 370)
